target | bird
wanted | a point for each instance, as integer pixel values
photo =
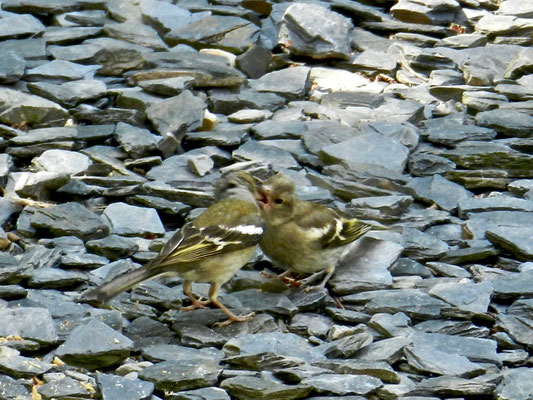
(302, 236)
(211, 248)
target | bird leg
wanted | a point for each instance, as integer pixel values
(305, 282)
(283, 277)
(213, 294)
(195, 303)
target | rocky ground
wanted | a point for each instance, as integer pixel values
(117, 116)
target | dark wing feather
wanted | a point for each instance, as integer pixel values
(327, 226)
(196, 243)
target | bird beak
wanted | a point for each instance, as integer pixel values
(261, 197)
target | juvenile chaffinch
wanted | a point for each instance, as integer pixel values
(302, 236)
(211, 248)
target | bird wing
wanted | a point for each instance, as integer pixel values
(327, 227)
(193, 243)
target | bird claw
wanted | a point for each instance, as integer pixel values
(196, 304)
(231, 320)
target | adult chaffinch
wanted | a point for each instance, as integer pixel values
(302, 236)
(211, 248)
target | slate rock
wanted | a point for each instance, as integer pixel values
(426, 12)
(337, 384)
(385, 350)
(210, 393)
(452, 386)
(113, 386)
(414, 302)
(475, 349)
(69, 94)
(70, 219)
(58, 71)
(508, 122)
(11, 388)
(62, 386)
(62, 161)
(14, 26)
(29, 323)
(347, 346)
(216, 31)
(440, 191)
(247, 387)
(254, 150)
(300, 34)
(366, 266)
(422, 246)
(433, 361)
(129, 220)
(516, 240)
(182, 375)
(516, 384)
(17, 366)
(290, 83)
(361, 152)
(19, 107)
(164, 16)
(94, 345)
(12, 68)
(177, 114)
(279, 344)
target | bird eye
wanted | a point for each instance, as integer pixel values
(232, 185)
(278, 201)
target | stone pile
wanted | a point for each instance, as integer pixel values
(116, 117)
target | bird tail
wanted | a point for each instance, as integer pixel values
(120, 283)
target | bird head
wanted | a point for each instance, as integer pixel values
(235, 184)
(276, 197)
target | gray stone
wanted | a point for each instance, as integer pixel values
(129, 220)
(251, 387)
(257, 151)
(29, 323)
(36, 185)
(365, 267)
(440, 191)
(337, 384)
(300, 34)
(508, 122)
(177, 114)
(12, 389)
(12, 67)
(516, 240)
(367, 152)
(452, 386)
(497, 203)
(223, 32)
(450, 134)
(421, 246)
(13, 26)
(207, 70)
(226, 102)
(385, 209)
(22, 108)
(62, 386)
(94, 345)
(414, 302)
(62, 161)
(169, 375)
(164, 16)
(517, 384)
(70, 219)
(167, 87)
(347, 346)
(69, 94)
(430, 360)
(521, 64)
(58, 71)
(290, 83)
(135, 141)
(17, 366)
(466, 296)
(210, 393)
(475, 349)
(447, 270)
(426, 12)
(139, 34)
(113, 386)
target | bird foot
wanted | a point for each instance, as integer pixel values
(234, 318)
(196, 304)
(283, 277)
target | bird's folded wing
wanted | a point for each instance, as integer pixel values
(196, 243)
(329, 229)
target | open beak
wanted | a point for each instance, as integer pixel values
(261, 197)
